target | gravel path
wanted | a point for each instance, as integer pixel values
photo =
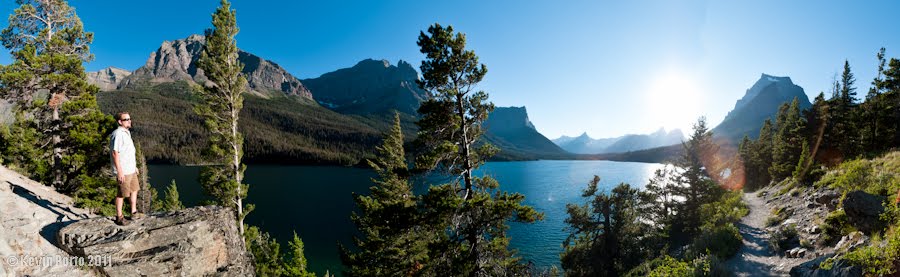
(755, 257)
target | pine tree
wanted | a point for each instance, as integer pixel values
(220, 105)
(393, 242)
(763, 155)
(469, 216)
(803, 164)
(786, 144)
(606, 233)
(295, 264)
(876, 112)
(172, 202)
(692, 182)
(48, 45)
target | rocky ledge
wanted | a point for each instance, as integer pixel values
(199, 241)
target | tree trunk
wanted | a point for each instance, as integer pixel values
(467, 163)
(57, 151)
(236, 168)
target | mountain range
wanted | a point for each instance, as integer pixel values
(336, 118)
(584, 144)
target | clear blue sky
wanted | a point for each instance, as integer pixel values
(607, 68)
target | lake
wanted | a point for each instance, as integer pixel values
(316, 201)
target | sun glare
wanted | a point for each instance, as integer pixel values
(673, 101)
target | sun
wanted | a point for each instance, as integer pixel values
(673, 101)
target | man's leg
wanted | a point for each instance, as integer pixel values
(119, 202)
(133, 199)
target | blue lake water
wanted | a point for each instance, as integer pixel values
(316, 201)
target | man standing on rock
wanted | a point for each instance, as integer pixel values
(124, 163)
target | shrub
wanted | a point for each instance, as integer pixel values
(719, 241)
(835, 226)
(668, 266)
(876, 259)
(784, 238)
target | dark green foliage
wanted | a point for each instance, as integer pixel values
(282, 130)
(718, 235)
(393, 242)
(835, 226)
(469, 217)
(22, 151)
(268, 259)
(692, 182)
(803, 163)
(669, 266)
(605, 234)
(786, 144)
(45, 78)
(220, 105)
(681, 212)
(757, 158)
(172, 202)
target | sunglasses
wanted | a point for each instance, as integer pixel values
(126, 119)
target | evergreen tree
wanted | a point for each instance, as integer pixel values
(816, 123)
(848, 91)
(47, 82)
(172, 201)
(268, 259)
(692, 182)
(871, 112)
(295, 264)
(763, 155)
(220, 105)
(891, 102)
(605, 238)
(786, 146)
(393, 242)
(470, 216)
(803, 164)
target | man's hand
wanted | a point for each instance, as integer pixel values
(120, 177)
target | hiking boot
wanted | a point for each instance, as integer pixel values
(121, 221)
(137, 215)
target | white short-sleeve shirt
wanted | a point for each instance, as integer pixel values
(120, 141)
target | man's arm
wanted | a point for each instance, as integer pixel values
(120, 176)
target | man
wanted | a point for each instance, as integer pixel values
(124, 165)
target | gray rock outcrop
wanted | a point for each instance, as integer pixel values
(199, 241)
(30, 215)
(864, 210)
(813, 268)
(107, 79)
(177, 61)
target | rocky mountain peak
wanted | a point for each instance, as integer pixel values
(761, 101)
(176, 61)
(370, 86)
(108, 78)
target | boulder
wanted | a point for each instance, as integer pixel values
(811, 268)
(199, 241)
(864, 210)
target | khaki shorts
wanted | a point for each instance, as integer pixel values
(129, 185)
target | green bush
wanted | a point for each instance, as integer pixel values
(835, 226)
(875, 259)
(784, 239)
(720, 241)
(668, 266)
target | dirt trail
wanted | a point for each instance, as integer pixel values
(755, 258)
